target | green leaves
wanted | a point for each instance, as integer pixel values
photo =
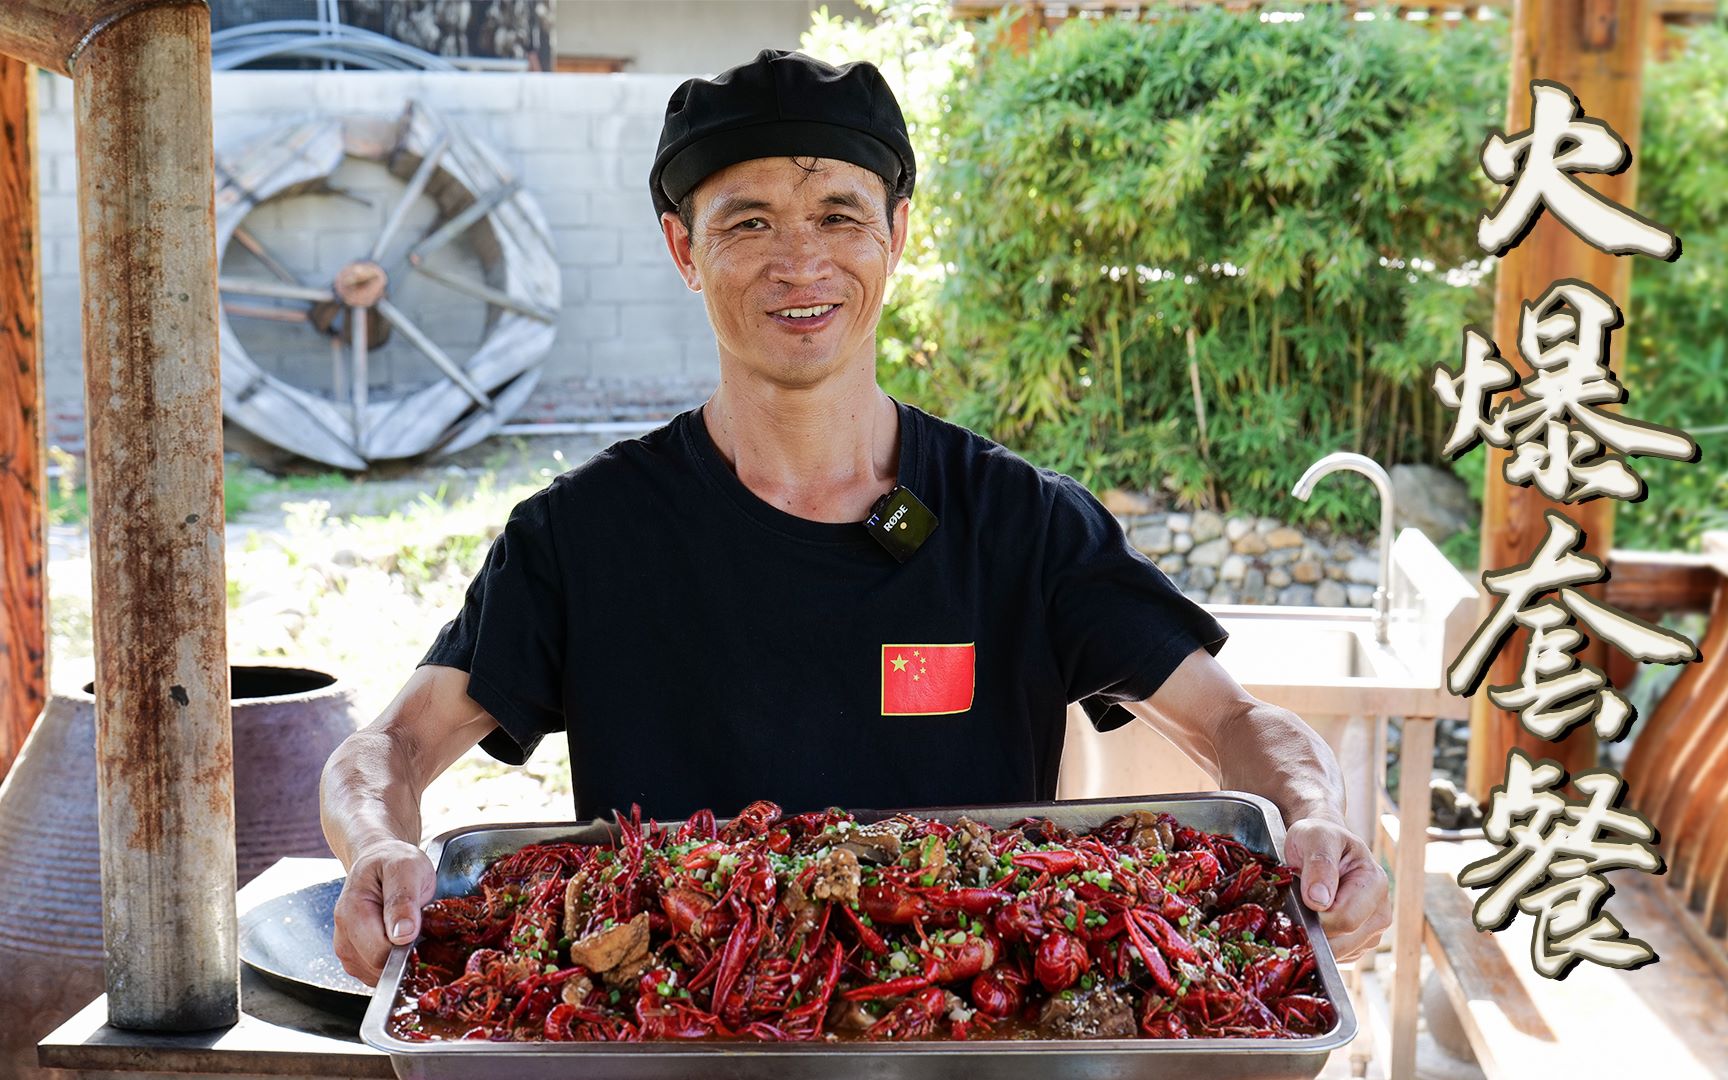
(1124, 182)
(1304, 196)
(1672, 354)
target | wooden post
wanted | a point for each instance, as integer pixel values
(1595, 47)
(164, 754)
(23, 539)
(1415, 770)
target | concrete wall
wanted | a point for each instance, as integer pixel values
(629, 332)
(661, 36)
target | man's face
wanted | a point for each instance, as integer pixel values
(792, 257)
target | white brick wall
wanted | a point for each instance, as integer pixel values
(582, 144)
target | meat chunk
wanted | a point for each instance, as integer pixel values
(878, 845)
(575, 897)
(617, 954)
(575, 991)
(977, 864)
(1149, 831)
(849, 1016)
(837, 877)
(805, 912)
(1099, 1013)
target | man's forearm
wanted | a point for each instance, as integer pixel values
(371, 787)
(369, 793)
(1275, 754)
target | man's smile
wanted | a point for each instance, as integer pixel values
(814, 317)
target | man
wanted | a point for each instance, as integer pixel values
(702, 611)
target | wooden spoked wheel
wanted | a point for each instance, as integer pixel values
(479, 204)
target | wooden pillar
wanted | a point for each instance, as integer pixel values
(23, 539)
(140, 71)
(1023, 34)
(164, 753)
(1595, 47)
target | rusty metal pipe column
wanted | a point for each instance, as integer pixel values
(153, 408)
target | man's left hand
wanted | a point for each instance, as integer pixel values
(1340, 879)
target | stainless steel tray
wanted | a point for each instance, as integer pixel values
(463, 854)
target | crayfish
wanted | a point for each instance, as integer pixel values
(813, 926)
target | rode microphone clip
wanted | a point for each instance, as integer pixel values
(900, 523)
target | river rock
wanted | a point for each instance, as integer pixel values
(1172, 564)
(1178, 522)
(1360, 595)
(1284, 537)
(1236, 528)
(1153, 539)
(1233, 569)
(1118, 501)
(1306, 571)
(1253, 582)
(1210, 553)
(1220, 594)
(1207, 525)
(1296, 596)
(1362, 570)
(1181, 542)
(1251, 544)
(1265, 525)
(1202, 577)
(1330, 594)
(1278, 577)
(1433, 500)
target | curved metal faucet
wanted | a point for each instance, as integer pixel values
(1367, 466)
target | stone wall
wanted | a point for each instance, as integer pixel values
(1217, 559)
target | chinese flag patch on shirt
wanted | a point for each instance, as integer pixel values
(923, 680)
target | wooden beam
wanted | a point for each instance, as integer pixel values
(1595, 47)
(23, 535)
(1651, 584)
(52, 34)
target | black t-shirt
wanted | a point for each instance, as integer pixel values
(703, 648)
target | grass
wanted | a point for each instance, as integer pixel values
(242, 488)
(361, 595)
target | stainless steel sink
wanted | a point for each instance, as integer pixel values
(1281, 650)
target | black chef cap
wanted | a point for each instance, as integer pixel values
(781, 104)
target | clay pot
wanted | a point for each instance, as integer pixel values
(286, 723)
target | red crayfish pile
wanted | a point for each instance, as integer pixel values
(817, 926)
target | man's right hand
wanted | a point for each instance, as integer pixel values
(370, 802)
(380, 906)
